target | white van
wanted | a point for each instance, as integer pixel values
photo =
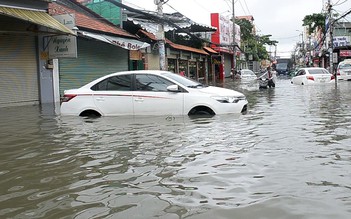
(344, 70)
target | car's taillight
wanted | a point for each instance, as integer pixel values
(310, 77)
(332, 77)
(68, 97)
(338, 73)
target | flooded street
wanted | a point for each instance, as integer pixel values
(288, 157)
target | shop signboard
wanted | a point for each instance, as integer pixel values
(340, 41)
(63, 46)
(345, 53)
(224, 33)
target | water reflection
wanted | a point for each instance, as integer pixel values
(287, 157)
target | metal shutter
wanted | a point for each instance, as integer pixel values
(95, 59)
(227, 64)
(18, 70)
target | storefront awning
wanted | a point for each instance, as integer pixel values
(36, 17)
(126, 43)
(210, 50)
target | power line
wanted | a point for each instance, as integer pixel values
(163, 20)
(242, 7)
(342, 16)
(201, 6)
(247, 7)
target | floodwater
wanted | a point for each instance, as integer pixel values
(288, 157)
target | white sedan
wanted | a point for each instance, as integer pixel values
(246, 75)
(344, 70)
(150, 92)
(312, 75)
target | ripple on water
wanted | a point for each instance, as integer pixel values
(287, 157)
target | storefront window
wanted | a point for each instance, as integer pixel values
(192, 69)
(172, 65)
(201, 70)
(183, 67)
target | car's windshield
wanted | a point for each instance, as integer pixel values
(282, 66)
(183, 80)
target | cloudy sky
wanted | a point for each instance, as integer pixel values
(280, 18)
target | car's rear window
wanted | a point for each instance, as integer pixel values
(345, 65)
(114, 83)
(318, 71)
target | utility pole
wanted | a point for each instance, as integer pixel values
(331, 43)
(302, 47)
(234, 58)
(160, 36)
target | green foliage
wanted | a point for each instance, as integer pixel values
(314, 21)
(245, 28)
(253, 45)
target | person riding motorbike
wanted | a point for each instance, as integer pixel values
(267, 79)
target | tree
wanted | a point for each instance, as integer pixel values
(253, 45)
(314, 21)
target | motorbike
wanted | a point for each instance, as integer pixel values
(265, 82)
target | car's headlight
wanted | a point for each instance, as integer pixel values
(227, 99)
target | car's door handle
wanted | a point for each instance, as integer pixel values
(100, 99)
(139, 99)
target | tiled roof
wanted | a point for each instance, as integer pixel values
(91, 23)
(149, 35)
(186, 48)
(210, 50)
(174, 45)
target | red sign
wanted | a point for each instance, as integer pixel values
(344, 53)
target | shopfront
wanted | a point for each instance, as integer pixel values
(172, 65)
(95, 60)
(24, 73)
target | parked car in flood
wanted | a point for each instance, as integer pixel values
(344, 70)
(150, 92)
(312, 75)
(247, 75)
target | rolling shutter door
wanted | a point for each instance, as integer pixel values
(227, 64)
(95, 59)
(18, 71)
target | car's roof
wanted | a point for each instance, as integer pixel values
(308, 68)
(141, 72)
(346, 61)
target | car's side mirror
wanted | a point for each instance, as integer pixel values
(173, 88)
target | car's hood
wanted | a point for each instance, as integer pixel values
(219, 91)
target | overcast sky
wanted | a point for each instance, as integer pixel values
(280, 18)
